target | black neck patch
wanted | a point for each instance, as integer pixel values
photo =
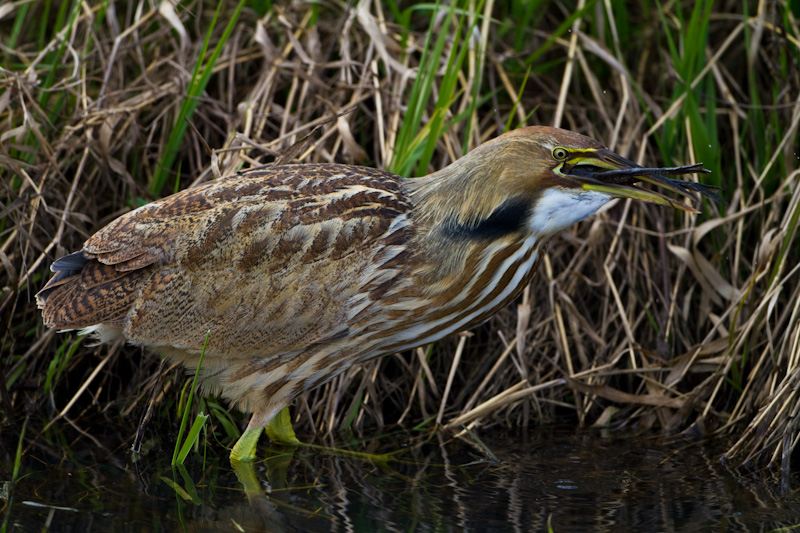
(509, 218)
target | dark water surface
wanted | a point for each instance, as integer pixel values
(578, 481)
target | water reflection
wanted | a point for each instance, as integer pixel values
(577, 481)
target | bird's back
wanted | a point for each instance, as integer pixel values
(269, 262)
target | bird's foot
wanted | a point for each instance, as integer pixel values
(280, 431)
(245, 447)
(380, 459)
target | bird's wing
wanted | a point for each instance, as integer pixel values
(266, 261)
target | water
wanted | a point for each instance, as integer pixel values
(575, 481)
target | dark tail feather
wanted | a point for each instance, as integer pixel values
(64, 267)
(84, 292)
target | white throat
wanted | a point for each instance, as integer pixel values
(560, 208)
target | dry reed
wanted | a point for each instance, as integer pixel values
(639, 317)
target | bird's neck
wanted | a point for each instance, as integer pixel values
(463, 193)
(459, 270)
(479, 262)
(459, 284)
(461, 215)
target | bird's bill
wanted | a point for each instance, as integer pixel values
(606, 172)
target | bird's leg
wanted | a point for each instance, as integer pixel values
(280, 431)
(245, 447)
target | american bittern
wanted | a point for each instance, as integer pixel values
(300, 271)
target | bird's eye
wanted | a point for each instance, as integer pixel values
(560, 154)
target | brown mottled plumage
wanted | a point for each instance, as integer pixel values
(300, 271)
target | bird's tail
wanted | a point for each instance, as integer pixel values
(84, 292)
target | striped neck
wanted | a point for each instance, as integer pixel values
(492, 274)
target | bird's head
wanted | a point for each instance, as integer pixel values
(539, 180)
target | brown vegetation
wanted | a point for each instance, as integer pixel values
(638, 317)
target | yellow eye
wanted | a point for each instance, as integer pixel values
(559, 153)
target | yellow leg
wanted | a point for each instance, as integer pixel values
(280, 431)
(245, 447)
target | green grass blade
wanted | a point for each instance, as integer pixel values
(14, 475)
(405, 147)
(447, 95)
(189, 401)
(561, 30)
(177, 488)
(192, 437)
(199, 81)
(353, 412)
(513, 112)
